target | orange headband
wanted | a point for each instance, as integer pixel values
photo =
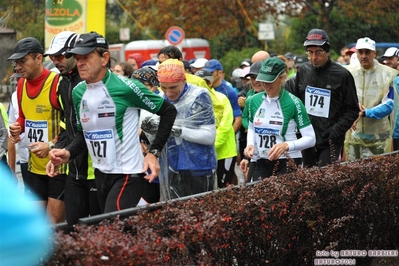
(171, 70)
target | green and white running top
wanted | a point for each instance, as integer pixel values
(108, 114)
(274, 120)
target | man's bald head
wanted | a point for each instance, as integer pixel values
(259, 56)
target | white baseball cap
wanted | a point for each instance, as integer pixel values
(199, 63)
(365, 43)
(61, 42)
(392, 51)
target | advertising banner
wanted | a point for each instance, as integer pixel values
(73, 15)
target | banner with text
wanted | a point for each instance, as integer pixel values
(79, 16)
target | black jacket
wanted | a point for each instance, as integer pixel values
(79, 165)
(344, 108)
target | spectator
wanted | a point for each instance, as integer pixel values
(187, 67)
(198, 64)
(244, 80)
(299, 61)
(259, 56)
(343, 55)
(245, 63)
(274, 115)
(328, 91)
(225, 142)
(39, 118)
(341, 60)
(80, 186)
(247, 165)
(124, 69)
(290, 62)
(235, 79)
(215, 67)
(148, 63)
(189, 160)
(371, 132)
(149, 78)
(350, 55)
(135, 60)
(391, 56)
(20, 148)
(3, 138)
(107, 109)
(172, 52)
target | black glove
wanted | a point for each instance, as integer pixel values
(330, 134)
(176, 131)
(150, 124)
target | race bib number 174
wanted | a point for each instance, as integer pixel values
(317, 101)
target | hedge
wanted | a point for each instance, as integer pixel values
(290, 219)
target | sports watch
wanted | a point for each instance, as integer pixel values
(156, 152)
(51, 145)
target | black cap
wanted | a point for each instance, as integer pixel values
(204, 74)
(254, 69)
(25, 46)
(290, 55)
(186, 65)
(316, 37)
(300, 60)
(87, 42)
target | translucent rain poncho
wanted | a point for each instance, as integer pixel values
(192, 150)
(373, 133)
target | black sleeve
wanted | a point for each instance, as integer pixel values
(168, 114)
(77, 146)
(290, 85)
(62, 139)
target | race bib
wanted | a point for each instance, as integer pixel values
(36, 130)
(266, 138)
(317, 101)
(101, 146)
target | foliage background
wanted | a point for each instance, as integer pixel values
(230, 25)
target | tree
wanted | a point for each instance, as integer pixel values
(27, 17)
(205, 19)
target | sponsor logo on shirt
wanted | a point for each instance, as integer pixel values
(267, 131)
(257, 123)
(318, 91)
(85, 107)
(104, 134)
(261, 113)
(101, 115)
(85, 119)
(272, 122)
(36, 124)
(41, 109)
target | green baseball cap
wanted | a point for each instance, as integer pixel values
(270, 69)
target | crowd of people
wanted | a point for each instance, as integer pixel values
(99, 136)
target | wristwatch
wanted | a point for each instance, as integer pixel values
(156, 152)
(51, 145)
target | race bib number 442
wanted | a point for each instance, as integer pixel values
(36, 131)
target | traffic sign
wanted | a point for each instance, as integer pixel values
(266, 31)
(174, 35)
